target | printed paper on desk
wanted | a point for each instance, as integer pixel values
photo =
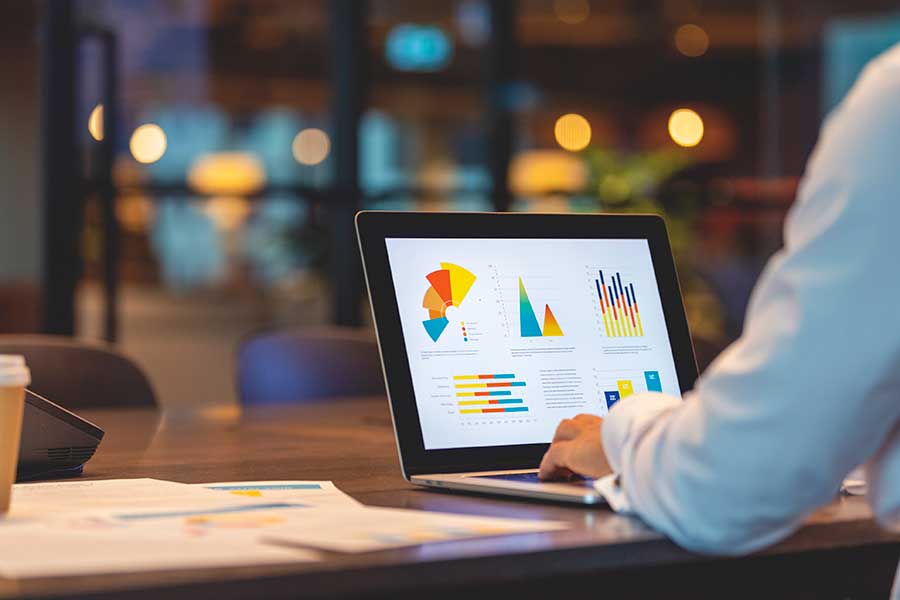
(39, 499)
(38, 550)
(314, 493)
(367, 529)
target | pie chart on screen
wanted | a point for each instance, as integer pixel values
(449, 287)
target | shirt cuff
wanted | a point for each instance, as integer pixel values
(625, 423)
(613, 493)
(629, 419)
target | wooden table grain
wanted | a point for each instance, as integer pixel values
(839, 553)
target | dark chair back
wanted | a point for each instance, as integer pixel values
(77, 374)
(303, 365)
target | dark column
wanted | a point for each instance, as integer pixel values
(348, 86)
(106, 190)
(770, 88)
(501, 60)
(61, 172)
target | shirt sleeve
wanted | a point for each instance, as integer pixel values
(809, 390)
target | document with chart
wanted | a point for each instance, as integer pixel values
(505, 337)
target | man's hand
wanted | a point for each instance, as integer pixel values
(577, 448)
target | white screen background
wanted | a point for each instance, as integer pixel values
(557, 377)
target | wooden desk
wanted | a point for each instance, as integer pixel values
(840, 553)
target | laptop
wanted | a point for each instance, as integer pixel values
(493, 328)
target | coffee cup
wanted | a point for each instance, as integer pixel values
(14, 377)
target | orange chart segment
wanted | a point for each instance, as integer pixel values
(551, 326)
(434, 303)
(440, 283)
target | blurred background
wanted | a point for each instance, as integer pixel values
(179, 174)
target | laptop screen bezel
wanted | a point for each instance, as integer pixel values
(375, 227)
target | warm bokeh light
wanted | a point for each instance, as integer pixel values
(547, 171)
(573, 132)
(227, 173)
(311, 146)
(148, 143)
(95, 123)
(686, 127)
(572, 12)
(691, 40)
(135, 213)
(227, 212)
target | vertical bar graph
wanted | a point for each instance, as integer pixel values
(618, 306)
(653, 382)
(611, 399)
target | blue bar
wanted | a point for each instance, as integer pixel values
(516, 409)
(611, 399)
(654, 384)
(504, 376)
(633, 297)
(517, 384)
(599, 292)
(509, 401)
(267, 487)
(628, 297)
(619, 278)
(601, 278)
(214, 511)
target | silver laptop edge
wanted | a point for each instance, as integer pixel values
(480, 482)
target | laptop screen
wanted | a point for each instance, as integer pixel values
(506, 337)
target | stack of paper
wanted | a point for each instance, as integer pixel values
(145, 524)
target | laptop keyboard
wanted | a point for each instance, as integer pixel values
(533, 478)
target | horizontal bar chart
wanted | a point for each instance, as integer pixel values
(489, 393)
(486, 402)
(509, 409)
(490, 385)
(477, 394)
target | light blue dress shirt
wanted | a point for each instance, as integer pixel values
(812, 387)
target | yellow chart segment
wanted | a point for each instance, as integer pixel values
(461, 281)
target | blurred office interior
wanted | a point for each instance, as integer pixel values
(181, 173)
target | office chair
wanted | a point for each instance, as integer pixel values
(305, 365)
(76, 374)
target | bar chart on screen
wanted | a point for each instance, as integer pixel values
(617, 300)
(498, 394)
(616, 386)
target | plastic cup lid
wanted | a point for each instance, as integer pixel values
(13, 371)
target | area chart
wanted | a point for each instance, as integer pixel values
(528, 323)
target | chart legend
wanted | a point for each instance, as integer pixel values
(449, 287)
(619, 306)
(528, 323)
(490, 393)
